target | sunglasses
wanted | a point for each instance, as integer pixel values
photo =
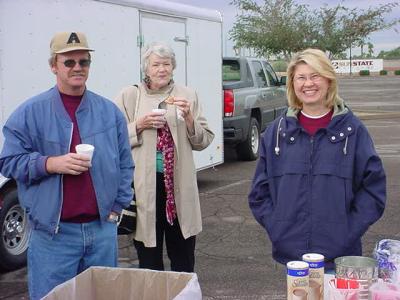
(70, 63)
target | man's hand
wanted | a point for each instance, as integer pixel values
(114, 217)
(71, 163)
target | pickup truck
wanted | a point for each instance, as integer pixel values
(253, 97)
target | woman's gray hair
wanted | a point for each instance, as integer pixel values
(161, 50)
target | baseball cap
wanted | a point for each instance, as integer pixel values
(63, 42)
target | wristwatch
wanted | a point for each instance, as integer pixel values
(113, 218)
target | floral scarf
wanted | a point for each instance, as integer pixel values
(165, 144)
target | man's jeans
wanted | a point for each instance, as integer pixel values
(53, 260)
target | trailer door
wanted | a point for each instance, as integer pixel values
(170, 30)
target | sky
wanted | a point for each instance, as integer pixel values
(382, 40)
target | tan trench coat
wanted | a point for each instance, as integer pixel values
(144, 155)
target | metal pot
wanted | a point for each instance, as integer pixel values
(359, 269)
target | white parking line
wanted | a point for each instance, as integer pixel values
(224, 187)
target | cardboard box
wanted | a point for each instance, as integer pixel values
(98, 283)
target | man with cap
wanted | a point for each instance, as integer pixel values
(73, 203)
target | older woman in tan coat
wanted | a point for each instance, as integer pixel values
(165, 124)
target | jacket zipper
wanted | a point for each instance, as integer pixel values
(310, 187)
(62, 180)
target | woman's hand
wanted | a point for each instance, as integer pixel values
(152, 120)
(183, 107)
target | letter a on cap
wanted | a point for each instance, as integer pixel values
(63, 42)
(73, 38)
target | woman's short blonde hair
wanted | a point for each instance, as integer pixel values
(160, 49)
(317, 60)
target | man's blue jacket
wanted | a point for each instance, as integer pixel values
(41, 127)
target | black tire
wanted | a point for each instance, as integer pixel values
(14, 233)
(250, 148)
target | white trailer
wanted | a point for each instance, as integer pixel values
(117, 30)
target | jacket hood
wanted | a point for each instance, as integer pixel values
(338, 109)
(339, 129)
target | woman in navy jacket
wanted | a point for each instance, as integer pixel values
(319, 183)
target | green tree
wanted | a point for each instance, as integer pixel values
(392, 54)
(363, 54)
(340, 27)
(370, 52)
(283, 27)
(277, 27)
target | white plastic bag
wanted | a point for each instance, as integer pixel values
(387, 254)
(384, 291)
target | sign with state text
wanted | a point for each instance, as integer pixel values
(343, 66)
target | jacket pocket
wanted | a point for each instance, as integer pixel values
(330, 238)
(331, 193)
(106, 165)
(43, 201)
(110, 178)
(280, 230)
(288, 188)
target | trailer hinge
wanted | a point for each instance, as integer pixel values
(140, 41)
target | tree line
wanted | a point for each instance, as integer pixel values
(283, 27)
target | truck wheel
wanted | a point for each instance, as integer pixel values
(248, 150)
(14, 233)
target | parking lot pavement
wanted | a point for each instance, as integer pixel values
(233, 254)
(378, 94)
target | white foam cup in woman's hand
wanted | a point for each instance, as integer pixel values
(179, 114)
(160, 117)
(86, 149)
(160, 111)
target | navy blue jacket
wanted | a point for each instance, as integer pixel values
(41, 127)
(317, 193)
